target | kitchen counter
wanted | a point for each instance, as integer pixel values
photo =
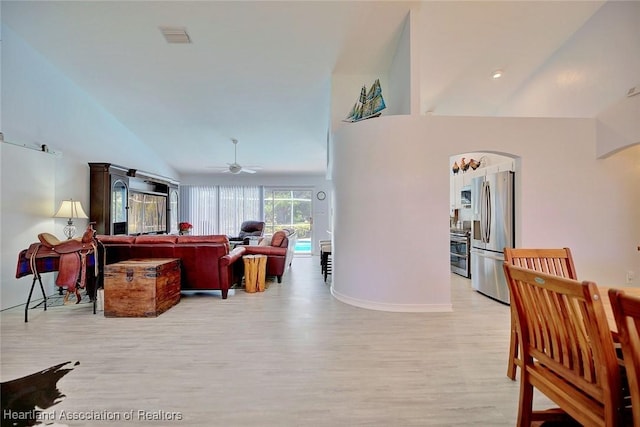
(460, 231)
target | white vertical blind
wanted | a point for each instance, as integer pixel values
(199, 206)
(238, 204)
(219, 209)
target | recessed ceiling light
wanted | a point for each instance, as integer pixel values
(497, 74)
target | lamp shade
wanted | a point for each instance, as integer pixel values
(70, 209)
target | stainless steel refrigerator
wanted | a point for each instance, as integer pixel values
(492, 231)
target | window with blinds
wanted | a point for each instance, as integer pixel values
(219, 209)
(199, 206)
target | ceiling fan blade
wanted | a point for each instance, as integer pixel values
(235, 167)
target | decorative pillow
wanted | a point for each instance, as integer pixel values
(278, 238)
(265, 241)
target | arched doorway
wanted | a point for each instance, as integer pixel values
(482, 218)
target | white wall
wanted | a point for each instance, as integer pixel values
(592, 69)
(398, 97)
(33, 185)
(391, 235)
(393, 176)
(618, 126)
(27, 209)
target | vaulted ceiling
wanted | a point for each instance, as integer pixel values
(261, 71)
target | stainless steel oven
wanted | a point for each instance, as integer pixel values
(459, 253)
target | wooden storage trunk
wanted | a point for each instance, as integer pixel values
(141, 287)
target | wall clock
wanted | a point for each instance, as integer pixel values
(321, 195)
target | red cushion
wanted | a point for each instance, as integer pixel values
(265, 250)
(218, 238)
(278, 238)
(121, 238)
(156, 239)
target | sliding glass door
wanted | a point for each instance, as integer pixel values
(289, 208)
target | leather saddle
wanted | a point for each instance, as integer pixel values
(73, 259)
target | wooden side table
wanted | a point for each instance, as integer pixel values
(255, 269)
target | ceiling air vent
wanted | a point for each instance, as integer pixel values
(175, 34)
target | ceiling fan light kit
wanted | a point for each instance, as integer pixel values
(235, 168)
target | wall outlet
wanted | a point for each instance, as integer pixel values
(630, 276)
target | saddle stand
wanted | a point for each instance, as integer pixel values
(73, 259)
(72, 262)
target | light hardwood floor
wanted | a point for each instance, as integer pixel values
(291, 356)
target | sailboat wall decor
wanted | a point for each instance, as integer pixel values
(369, 105)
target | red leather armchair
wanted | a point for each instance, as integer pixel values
(279, 251)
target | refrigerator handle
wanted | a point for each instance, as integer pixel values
(482, 213)
(485, 213)
(488, 219)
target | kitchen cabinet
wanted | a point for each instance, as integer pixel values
(452, 196)
(456, 183)
(465, 179)
(507, 166)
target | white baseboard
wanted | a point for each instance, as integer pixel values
(402, 308)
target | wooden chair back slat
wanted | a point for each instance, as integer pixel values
(567, 347)
(555, 261)
(626, 310)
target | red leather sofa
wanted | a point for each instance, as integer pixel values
(278, 249)
(207, 263)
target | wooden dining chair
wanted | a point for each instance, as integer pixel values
(556, 261)
(567, 349)
(626, 310)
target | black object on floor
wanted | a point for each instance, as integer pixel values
(21, 397)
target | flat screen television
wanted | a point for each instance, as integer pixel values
(147, 213)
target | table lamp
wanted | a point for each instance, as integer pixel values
(70, 209)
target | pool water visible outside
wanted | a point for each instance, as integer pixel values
(303, 245)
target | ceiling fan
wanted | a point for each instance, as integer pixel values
(235, 167)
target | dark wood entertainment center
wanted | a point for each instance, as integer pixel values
(112, 191)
